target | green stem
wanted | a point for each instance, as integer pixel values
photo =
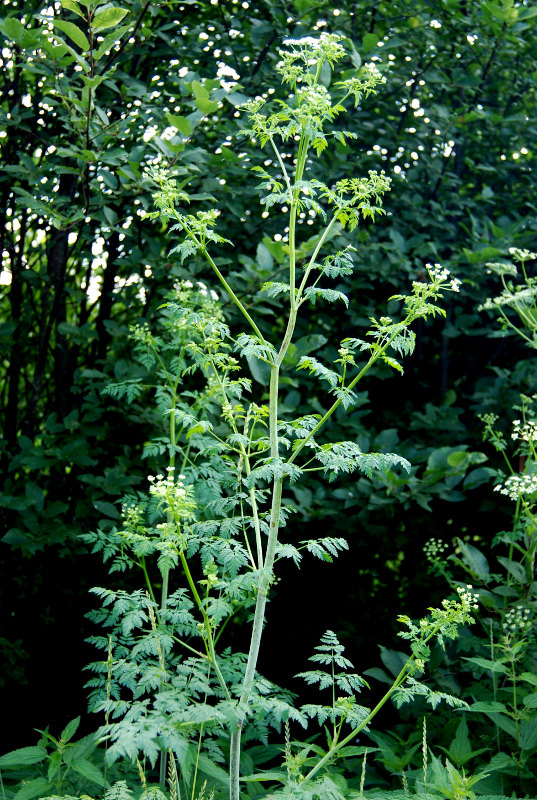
(255, 642)
(351, 385)
(400, 679)
(146, 576)
(233, 296)
(311, 263)
(166, 571)
(334, 749)
(207, 625)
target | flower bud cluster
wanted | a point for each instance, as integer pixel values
(526, 432)
(517, 620)
(315, 101)
(132, 516)
(517, 486)
(433, 549)
(141, 334)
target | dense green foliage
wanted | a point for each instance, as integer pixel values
(85, 112)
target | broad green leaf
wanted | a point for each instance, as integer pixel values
(92, 83)
(491, 707)
(266, 776)
(260, 370)
(474, 559)
(109, 213)
(35, 493)
(71, 5)
(529, 677)
(491, 666)
(181, 123)
(107, 509)
(369, 41)
(514, 568)
(15, 503)
(237, 99)
(13, 29)
(530, 701)
(199, 90)
(457, 458)
(54, 764)
(494, 710)
(204, 105)
(22, 757)
(528, 734)
(34, 788)
(527, 13)
(208, 767)
(74, 33)
(393, 660)
(477, 477)
(88, 770)
(109, 41)
(108, 18)
(307, 344)
(264, 257)
(71, 727)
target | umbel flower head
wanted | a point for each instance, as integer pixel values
(517, 486)
(173, 495)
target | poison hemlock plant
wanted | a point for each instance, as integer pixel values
(207, 534)
(497, 671)
(167, 685)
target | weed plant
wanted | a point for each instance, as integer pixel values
(206, 535)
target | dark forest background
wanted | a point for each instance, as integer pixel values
(455, 127)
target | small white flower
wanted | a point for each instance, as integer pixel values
(517, 486)
(305, 41)
(522, 255)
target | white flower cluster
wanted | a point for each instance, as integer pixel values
(526, 432)
(305, 41)
(519, 299)
(374, 73)
(167, 488)
(491, 304)
(201, 288)
(517, 620)
(316, 99)
(325, 40)
(521, 255)
(518, 485)
(440, 274)
(433, 548)
(468, 597)
(500, 268)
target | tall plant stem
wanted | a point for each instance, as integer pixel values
(255, 642)
(266, 576)
(166, 571)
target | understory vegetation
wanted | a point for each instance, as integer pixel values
(269, 400)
